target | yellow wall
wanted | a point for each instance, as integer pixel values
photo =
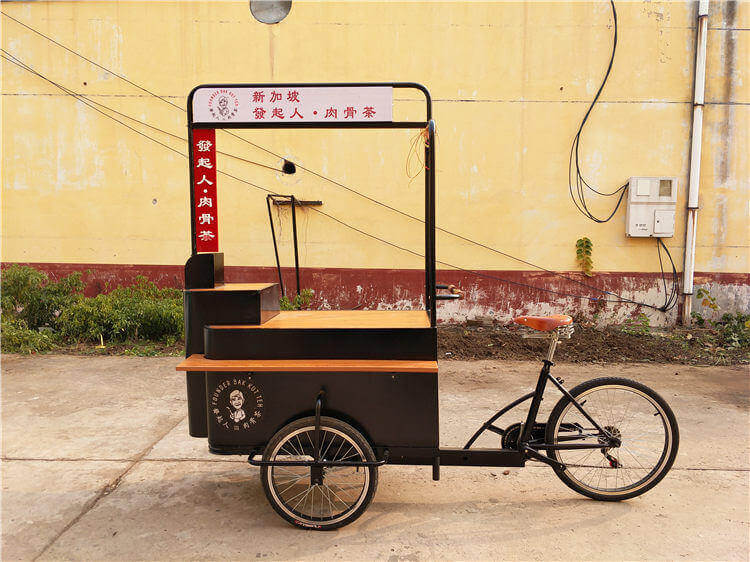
(510, 81)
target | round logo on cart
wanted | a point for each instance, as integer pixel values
(237, 404)
(223, 104)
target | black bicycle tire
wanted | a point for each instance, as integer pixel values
(604, 381)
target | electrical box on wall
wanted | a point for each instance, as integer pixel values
(651, 206)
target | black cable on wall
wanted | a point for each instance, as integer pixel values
(577, 184)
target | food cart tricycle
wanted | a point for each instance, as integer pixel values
(321, 399)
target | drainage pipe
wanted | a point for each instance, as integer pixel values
(695, 161)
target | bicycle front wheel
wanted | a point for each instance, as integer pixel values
(633, 413)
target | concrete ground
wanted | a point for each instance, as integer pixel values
(97, 464)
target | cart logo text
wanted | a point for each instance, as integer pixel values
(223, 104)
(237, 404)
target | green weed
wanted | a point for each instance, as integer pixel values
(639, 326)
(298, 302)
(17, 337)
(584, 249)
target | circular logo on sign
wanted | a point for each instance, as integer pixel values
(237, 404)
(223, 104)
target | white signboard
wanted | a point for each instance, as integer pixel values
(334, 104)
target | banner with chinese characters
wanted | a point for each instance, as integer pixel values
(204, 190)
(335, 104)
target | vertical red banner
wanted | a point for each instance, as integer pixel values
(205, 212)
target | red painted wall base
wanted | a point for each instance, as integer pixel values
(339, 288)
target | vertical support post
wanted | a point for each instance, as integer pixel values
(293, 201)
(316, 471)
(318, 408)
(269, 198)
(429, 213)
(427, 229)
(431, 221)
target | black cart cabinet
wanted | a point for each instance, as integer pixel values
(251, 368)
(394, 404)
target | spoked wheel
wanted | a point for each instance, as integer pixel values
(319, 501)
(629, 411)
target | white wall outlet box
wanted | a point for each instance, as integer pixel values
(651, 207)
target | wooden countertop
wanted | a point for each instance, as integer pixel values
(236, 287)
(341, 319)
(199, 363)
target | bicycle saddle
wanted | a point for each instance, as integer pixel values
(544, 323)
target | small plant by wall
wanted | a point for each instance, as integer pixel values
(707, 301)
(639, 326)
(298, 302)
(584, 249)
(733, 329)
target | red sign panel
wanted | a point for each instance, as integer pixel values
(204, 190)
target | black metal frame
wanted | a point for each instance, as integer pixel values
(431, 297)
(526, 449)
(294, 202)
(530, 447)
(318, 464)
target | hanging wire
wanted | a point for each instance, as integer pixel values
(415, 148)
(15, 60)
(670, 299)
(577, 184)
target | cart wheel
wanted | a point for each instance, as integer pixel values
(345, 492)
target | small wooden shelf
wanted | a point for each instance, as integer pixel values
(341, 319)
(199, 363)
(236, 287)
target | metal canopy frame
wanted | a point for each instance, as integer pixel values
(429, 154)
